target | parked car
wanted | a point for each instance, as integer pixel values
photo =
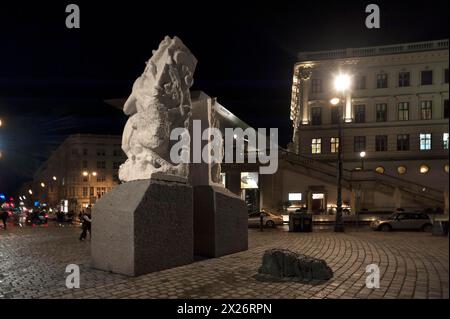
(269, 219)
(403, 221)
(37, 218)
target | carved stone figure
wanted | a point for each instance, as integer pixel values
(159, 101)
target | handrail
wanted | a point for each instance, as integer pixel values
(349, 175)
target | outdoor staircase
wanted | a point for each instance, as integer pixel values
(383, 183)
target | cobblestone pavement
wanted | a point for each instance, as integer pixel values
(412, 265)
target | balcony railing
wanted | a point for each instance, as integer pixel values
(372, 51)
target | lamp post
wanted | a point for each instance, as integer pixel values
(342, 84)
(362, 155)
(88, 174)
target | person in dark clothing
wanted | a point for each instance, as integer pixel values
(86, 225)
(4, 216)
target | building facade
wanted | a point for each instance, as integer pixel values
(81, 170)
(396, 112)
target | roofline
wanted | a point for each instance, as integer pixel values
(373, 50)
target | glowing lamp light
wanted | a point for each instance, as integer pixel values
(94, 174)
(342, 82)
(42, 185)
(334, 101)
(362, 154)
(54, 178)
(30, 192)
(85, 173)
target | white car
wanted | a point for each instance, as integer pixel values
(269, 219)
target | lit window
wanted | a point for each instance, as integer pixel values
(316, 146)
(379, 170)
(318, 196)
(446, 168)
(401, 169)
(334, 144)
(403, 111)
(445, 141)
(295, 196)
(426, 110)
(425, 142)
(424, 169)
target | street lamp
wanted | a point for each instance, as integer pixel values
(86, 174)
(42, 184)
(30, 192)
(362, 155)
(54, 178)
(342, 84)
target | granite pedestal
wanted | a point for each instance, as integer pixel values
(143, 226)
(220, 222)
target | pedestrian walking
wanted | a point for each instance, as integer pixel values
(4, 216)
(86, 225)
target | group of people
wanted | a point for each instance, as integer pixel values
(84, 216)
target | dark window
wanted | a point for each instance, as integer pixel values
(116, 165)
(101, 164)
(381, 143)
(446, 76)
(382, 81)
(91, 191)
(335, 115)
(84, 164)
(446, 109)
(360, 83)
(403, 111)
(101, 152)
(316, 86)
(360, 113)
(381, 110)
(427, 77)
(403, 79)
(117, 152)
(85, 151)
(316, 115)
(359, 143)
(403, 142)
(425, 110)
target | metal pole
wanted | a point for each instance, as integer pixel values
(339, 225)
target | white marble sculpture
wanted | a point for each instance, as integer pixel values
(160, 101)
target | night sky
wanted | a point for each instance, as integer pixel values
(53, 80)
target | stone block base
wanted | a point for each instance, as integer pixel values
(220, 222)
(143, 226)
